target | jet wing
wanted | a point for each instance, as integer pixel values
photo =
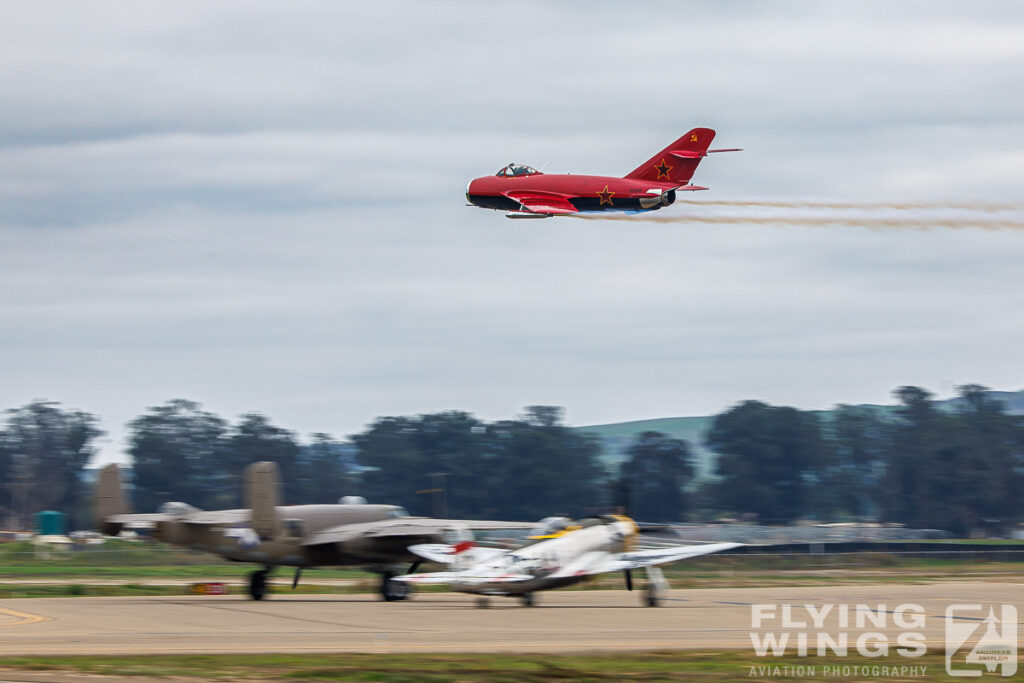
(542, 202)
(406, 526)
(602, 563)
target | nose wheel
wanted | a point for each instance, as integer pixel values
(528, 600)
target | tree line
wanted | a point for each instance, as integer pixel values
(914, 463)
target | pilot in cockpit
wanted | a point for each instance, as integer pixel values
(514, 170)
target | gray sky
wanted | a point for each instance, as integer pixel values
(259, 206)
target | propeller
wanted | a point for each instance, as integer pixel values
(295, 580)
(629, 579)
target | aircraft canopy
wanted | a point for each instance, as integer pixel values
(550, 526)
(516, 170)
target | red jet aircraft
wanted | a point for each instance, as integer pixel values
(527, 193)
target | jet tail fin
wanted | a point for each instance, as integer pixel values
(262, 497)
(677, 162)
(109, 499)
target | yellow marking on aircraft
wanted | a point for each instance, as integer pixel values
(22, 617)
(557, 534)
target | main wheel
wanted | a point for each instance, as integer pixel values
(528, 600)
(652, 598)
(258, 584)
(483, 603)
(391, 590)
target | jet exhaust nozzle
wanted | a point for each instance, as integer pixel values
(659, 200)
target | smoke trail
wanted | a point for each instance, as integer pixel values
(817, 221)
(986, 207)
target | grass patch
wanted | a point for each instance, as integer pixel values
(649, 666)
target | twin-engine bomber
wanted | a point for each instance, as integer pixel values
(526, 192)
(376, 537)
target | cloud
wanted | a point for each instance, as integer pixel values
(260, 206)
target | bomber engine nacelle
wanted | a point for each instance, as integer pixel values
(658, 200)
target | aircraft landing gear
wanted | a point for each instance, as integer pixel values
(258, 584)
(391, 590)
(483, 602)
(528, 600)
(656, 586)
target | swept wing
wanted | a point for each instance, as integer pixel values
(542, 202)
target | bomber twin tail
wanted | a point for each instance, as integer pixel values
(525, 192)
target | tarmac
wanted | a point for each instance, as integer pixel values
(562, 621)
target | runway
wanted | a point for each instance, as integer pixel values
(563, 621)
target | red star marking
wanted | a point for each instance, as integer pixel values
(663, 170)
(606, 196)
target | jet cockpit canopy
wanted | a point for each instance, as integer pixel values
(517, 170)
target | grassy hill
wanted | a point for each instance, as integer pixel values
(616, 437)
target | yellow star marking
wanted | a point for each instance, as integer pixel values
(606, 196)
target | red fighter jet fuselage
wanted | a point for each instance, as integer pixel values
(527, 193)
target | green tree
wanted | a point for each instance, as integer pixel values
(513, 469)
(325, 471)
(254, 439)
(858, 437)
(6, 477)
(409, 454)
(539, 467)
(651, 480)
(985, 447)
(177, 453)
(923, 462)
(770, 460)
(46, 448)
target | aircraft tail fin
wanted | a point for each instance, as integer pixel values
(262, 497)
(109, 499)
(677, 162)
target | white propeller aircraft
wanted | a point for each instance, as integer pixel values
(559, 552)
